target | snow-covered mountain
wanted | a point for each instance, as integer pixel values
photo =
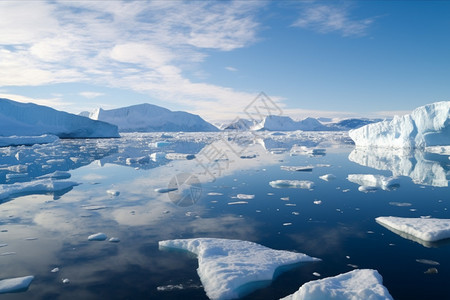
(427, 125)
(32, 120)
(151, 118)
(239, 124)
(353, 123)
(284, 123)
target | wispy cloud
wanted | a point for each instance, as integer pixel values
(53, 102)
(91, 95)
(332, 18)
(231, 69)
(140, 45)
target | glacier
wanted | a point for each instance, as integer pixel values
(230, 269)
(29, 119)
(428, 125)
(357, 284)
(152, 118)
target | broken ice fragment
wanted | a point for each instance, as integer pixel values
(301, 184)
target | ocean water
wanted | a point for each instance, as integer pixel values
(332, 220)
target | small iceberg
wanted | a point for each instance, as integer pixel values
(297, 168)
(428, 230)
(369, 182)
(299, 184)
(14, 285)
(357, 284)
(230, 269)
(97, 237)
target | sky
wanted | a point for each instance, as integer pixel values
(213, 58)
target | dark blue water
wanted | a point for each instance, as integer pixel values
(333, 221)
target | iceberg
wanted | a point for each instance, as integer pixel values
(428, 230)
(299, 184)
(230, 269)
(27, 140)
(427, 125)
(28, 119)
(357, 284)
(151, 118)
(14, 285)
(34, 187)
(369, 181)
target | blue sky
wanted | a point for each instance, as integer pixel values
(314, 58)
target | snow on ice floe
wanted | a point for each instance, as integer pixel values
(327, 177)
(422, 167)
(427, 125)
(34, 187)
(300, 184)
(31, 119)
(364, 284)
(297, 168)
(425, 229)
(14, 285)
(27, 140)
(230, 269)
(369, 182)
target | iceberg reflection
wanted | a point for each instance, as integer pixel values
(422, 167)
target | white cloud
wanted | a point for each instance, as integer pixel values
(328, 18)
(91, 95)
(52, 102)
(140, 45)
(231, 69)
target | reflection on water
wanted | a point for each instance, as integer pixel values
(422, 167)
(44, 232)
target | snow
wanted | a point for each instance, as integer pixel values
(28, 119)
(355, 285)
(301, 184)
(230, 269)
(369, 182)
(13, 285)
(429, 230)
(34, 187)
(27, 140)
(151, 118)
(427, 125)
(97, 237)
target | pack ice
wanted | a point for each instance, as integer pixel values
(358, 284)
(28, 119)
(230, 269)
(427, 125)
(151, 118)
(429, 230)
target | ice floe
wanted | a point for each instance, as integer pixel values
(34, 187)
(426, 229)
(230, 269)
(426, 126)
(364, 284)
(300, 184)
(14, 285)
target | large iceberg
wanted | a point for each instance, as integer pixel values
(427, 125)
(426, 229)
(28, 119)
(358, 284)
(230, 269)
(150, 118)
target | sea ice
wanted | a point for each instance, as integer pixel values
(427, 125)
(13, 285)
(230, 269)
(429, 230)
(301, 184)
(34, 187)
(364, 284)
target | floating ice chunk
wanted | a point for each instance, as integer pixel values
(34, 187)
(160, 144)
(431, 271)
(113, 193)
(114, 240)
(237, 202)
(297, 168)
(426, 126)
(428, 262)
(400, 204)
(357, 284)
(157, 156)
(138, 160)
(366, 189)
(66, 281)
(56, 175)
(14, 285)
(429, 230)
(6, 141)
(317, 202)
(230, 269)
(214, 194)
(327, 177)
(97, 237)
(165, 190)
(245, 197)
(373, 181)
(179, 156)
(55, 270)
(301, 184)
